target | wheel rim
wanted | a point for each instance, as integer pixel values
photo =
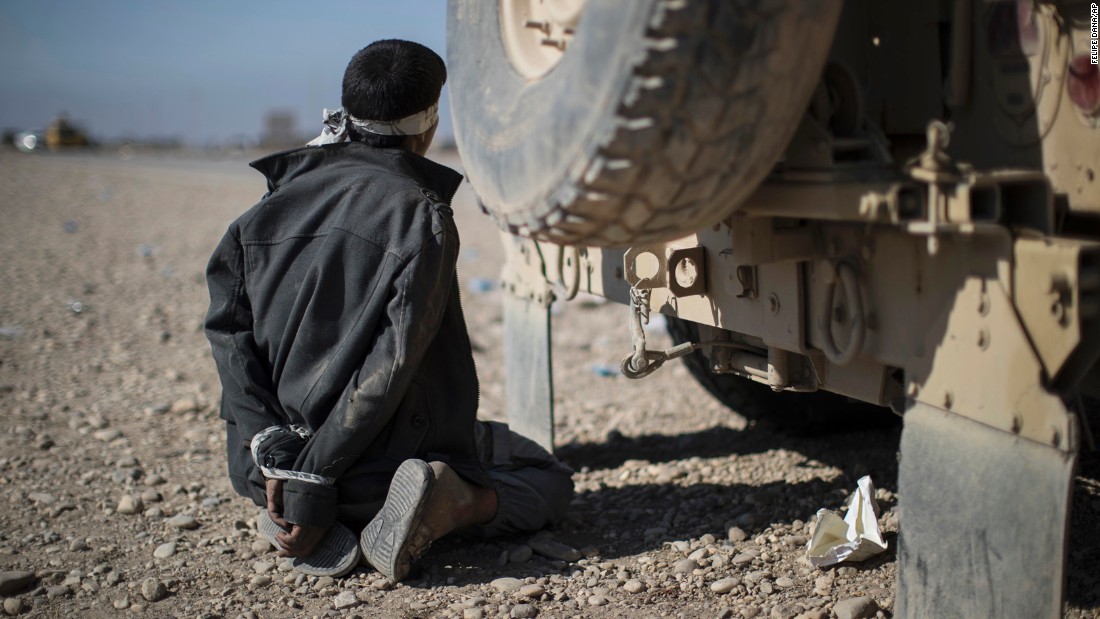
(537, 33)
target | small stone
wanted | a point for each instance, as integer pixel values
(785, 611)
(153, 589)
(507, 584)
(322, 582)
(261, 546)
(14, 582)
(823, 583)
(78, 545)
(737, 534)
(814, 614)
(107, 435)
(130, 505)
(260, 580)
(784, 582)
(524, 611)
(345, 599)
(520, 554)
(59, 591)
(126, 462)
(743, 558)
(263, 567)
(183, 521)
(634, 586)
(14, 606)
(473, 613)
(725, 585)
(121, 603)
(382, 584)
(122, 476)
(165, 550)
(151, 496)
(856, 608)
(685, 566)
(185, 405)
(98, 422)
(531, 591)
(44, 498)
(555, 550)
(597, 600)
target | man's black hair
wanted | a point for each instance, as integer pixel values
(389, 80)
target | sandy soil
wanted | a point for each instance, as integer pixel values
(108, 405)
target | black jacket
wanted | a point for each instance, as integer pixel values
(334, 308)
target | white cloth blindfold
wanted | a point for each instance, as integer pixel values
(337, 122)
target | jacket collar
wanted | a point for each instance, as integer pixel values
(282, 167)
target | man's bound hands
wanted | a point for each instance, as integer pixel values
(298, 540)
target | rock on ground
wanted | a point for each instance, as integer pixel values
(856, 608)
(15, 581)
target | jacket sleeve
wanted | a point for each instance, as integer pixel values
(417, 299)
(248, 396)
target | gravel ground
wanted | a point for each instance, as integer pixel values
(114, 500)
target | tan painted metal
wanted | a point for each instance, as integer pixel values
(536, 33)
(1057, 283)
(861, 267)
(948, 270)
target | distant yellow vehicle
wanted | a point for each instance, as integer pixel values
(61, 134)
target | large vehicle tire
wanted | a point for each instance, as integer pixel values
(805, 414)
(659, 119)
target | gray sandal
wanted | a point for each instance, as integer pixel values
(335, 556)
(394, 539)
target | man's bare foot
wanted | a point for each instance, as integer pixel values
(455, 503)
(424, 503)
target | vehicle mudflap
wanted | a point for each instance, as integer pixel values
(529, 373)
(984, 520)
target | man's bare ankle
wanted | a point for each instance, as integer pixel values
(467, 504)
(487, 505)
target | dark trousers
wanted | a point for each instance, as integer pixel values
(533, 487)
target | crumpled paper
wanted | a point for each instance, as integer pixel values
(855, 538)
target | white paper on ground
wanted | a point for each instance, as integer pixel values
(854, 538)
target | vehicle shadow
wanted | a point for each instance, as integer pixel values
(617, 520)
(855, 453)
(653, 508)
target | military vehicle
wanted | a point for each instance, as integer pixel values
(60, 134)
(894, 202)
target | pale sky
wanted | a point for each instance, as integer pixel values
(200, 70)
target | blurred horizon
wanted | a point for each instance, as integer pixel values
(201, 73)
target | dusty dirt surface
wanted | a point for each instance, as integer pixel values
(113, 495)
